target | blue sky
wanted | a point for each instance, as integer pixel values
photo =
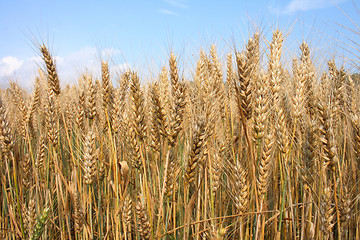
(140, 34)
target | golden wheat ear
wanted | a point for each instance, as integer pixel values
(264, 168)
(143, 221)
(90, 167)
(178, 102)
(5, 130)
(196, 155)
(158, 126)
(53, 79)
(139, 117)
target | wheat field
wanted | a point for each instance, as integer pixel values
(244, 148)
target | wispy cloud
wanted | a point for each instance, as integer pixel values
(177, 3)
(305, 5)
(173, 4)
(168, 12)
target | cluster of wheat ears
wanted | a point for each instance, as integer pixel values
(243, 149)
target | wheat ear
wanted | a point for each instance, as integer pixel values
(54, 83)
(89, 158)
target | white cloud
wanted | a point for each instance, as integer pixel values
(69, 67)
(36, 59)
(305, 5)
(8, 65)
(168, 12)
(120, 68)
(82, 56)
(88, 59)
